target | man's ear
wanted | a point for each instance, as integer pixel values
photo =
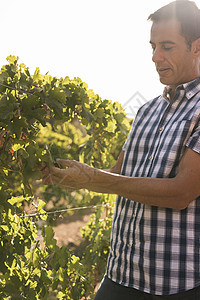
(196, 47)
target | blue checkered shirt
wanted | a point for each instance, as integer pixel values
(154, 249)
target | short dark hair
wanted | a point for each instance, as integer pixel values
(184, 11)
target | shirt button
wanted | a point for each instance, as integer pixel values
(150, 157)
(129, 246)
(160, 129)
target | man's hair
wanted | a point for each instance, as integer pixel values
(184, 11)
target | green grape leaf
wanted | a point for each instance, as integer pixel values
(12, 59)
(7, 107)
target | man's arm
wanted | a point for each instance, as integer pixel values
(117, 167)
(174, 193)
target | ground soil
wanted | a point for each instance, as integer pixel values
(67, 230)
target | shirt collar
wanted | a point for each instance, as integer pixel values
(190, 88)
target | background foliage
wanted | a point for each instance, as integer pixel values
(42, 118)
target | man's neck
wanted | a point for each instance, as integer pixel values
(172, 92)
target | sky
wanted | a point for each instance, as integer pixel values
(104, 42)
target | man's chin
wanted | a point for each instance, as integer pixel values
(165, 81)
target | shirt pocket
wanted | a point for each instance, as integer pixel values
(170, 149)
(177, 134)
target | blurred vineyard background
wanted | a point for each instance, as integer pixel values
(42, 118)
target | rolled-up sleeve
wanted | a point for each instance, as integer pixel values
(194, 141)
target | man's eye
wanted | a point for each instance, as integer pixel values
(167, 48)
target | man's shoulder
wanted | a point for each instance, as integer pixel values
(151, 103)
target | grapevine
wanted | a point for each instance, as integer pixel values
(42, 118)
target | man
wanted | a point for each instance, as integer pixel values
(155, 239)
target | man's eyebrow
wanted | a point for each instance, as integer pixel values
(163, 42)
(167, 42)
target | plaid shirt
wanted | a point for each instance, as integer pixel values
(154, 249)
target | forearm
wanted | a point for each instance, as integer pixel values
(151, 191)
(174, 193)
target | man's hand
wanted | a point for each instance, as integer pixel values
(75, 176)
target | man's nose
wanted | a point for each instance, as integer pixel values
(157, 56)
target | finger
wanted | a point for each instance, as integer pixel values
(64, 162)
(48, 180)
(57, 172)
(45, 172)
(41, 166)
(52, 175)
(51, 180)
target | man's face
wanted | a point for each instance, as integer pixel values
(174, 62)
